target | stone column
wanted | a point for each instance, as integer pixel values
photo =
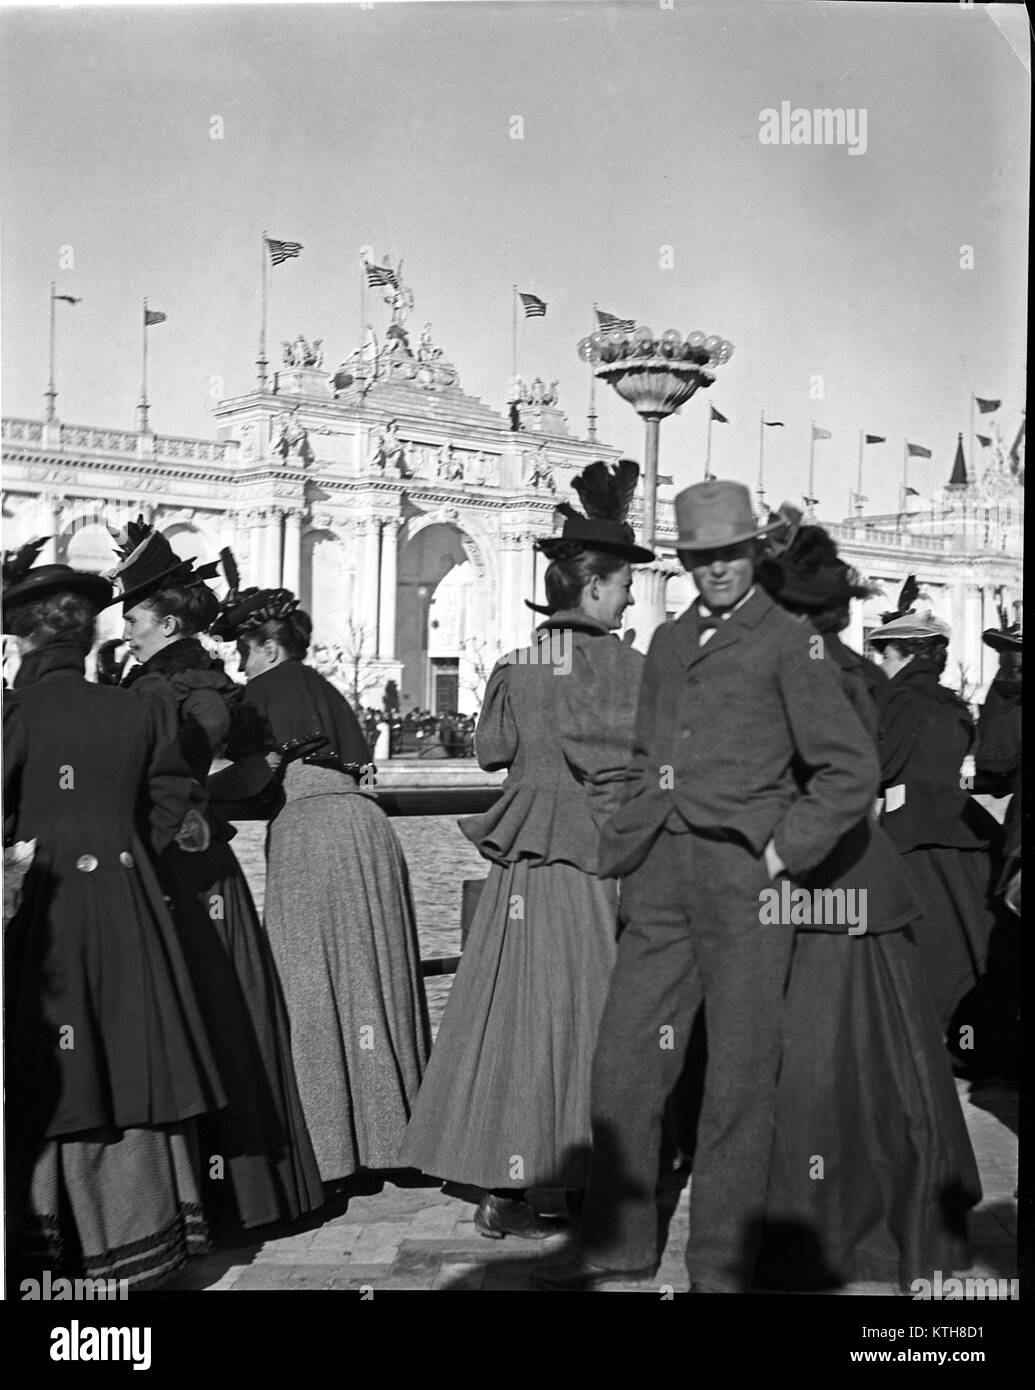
(271, 549)
(515, 620)
(52, 503)
(292, 574)
(365, 613)
(389, 581)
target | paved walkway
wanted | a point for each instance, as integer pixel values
(387, 1236)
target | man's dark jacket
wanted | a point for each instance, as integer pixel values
(718, 728)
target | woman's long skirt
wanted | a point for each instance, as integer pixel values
(257, 1160)
(505, 1102)
(344, 938)
(872, 1170)
(956, 929)
(114, 1204)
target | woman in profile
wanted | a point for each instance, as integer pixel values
(259, 1165)
(338, 908)
(505, 1105)
(108, 1062)
(872, 1169)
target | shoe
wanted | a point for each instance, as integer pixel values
(578, 1273)
(497, 1217)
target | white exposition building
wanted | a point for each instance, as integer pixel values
(402, 511)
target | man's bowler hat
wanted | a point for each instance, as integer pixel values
(715, 514)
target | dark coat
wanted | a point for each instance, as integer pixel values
(718, 728)
(998, 759)
(925, 733)
(89, 772)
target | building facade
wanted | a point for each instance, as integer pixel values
(403, 511)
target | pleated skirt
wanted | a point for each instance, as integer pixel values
(872, 1168)
(110, 1204)
(505, 1102)
(258, 1164)
(344, 938)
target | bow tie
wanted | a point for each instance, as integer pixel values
(705, 624)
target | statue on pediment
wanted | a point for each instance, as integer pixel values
(540, 473)
(428, 351)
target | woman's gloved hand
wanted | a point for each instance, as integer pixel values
(109, 667)
(194, 836)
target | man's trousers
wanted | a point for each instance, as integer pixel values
(691, 933)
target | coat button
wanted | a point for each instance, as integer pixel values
(126, 859)
(86, 863)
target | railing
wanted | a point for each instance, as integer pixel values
(438, 801)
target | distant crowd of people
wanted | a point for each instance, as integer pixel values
(743, 914)
(419, 733)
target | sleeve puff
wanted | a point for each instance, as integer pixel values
(496, 737)
(596, 717)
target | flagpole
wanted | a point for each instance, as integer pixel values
(708, 449)
(905, 478)
(591, 418)
(859, 479)
(142, 407)
(513, 339)
(261, 361)
(51, 392)
(761, 460)
(812, 463)
(972, 464)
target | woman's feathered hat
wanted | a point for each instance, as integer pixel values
(244, 610)
(149, 563)
(24, 581)
(803, 569)
(606, 495)
(1007, 637)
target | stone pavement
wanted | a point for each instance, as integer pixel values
(387, 1236)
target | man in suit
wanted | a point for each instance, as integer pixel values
(733, 693)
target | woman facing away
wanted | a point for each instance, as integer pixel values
(259, 1165)
(866, 1089)
(338, 909)
(108, 1062)
(505, 1104)
(943, 834)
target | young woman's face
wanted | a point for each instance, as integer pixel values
(607, 599)
(145, 633)
(257, 657)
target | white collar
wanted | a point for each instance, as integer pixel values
(707, 612)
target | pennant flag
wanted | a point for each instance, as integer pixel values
(986, 407)
(876, 439)
(282, 250)
(769, 424)
(68, 298)
(381, 275)
(985, 441)
(535, 308)
(611, 323)
(917, 451)
(152, 316)
(820, 434)
(912, 492)
(716, 416)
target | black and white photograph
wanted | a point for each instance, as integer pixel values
(512, 625)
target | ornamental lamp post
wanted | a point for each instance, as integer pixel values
(656, 376)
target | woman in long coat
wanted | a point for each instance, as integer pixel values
(108, 1063)
(259, 1165)
(872, 1168)
(338, 908)
(943, 834)
(505, 1104)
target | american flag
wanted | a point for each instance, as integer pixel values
(535, 308)
(609, 323)
(381, 275)
(282, 250)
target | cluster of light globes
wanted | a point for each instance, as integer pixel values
(618, 345)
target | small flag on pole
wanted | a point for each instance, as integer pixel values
(381, 275)
(985, 441)
(769, 424)
(986, 407)
(876, 439)
(610, 323)
(717, 416)
(152, 316)
(68, 298)
(282, 250)
(917, 451)
(912, 492)
(817, 433)
(535, 308)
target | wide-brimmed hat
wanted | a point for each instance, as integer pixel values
(606, 494)
(909, 626)
(25, 582)
(244, 612)
(715, 514)
(1003, 639)
(149, 563)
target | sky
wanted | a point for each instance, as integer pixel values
(640, 183)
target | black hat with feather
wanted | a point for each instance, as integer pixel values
(806, 572)
(24, 581)
(244, 610)
(149, 563)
